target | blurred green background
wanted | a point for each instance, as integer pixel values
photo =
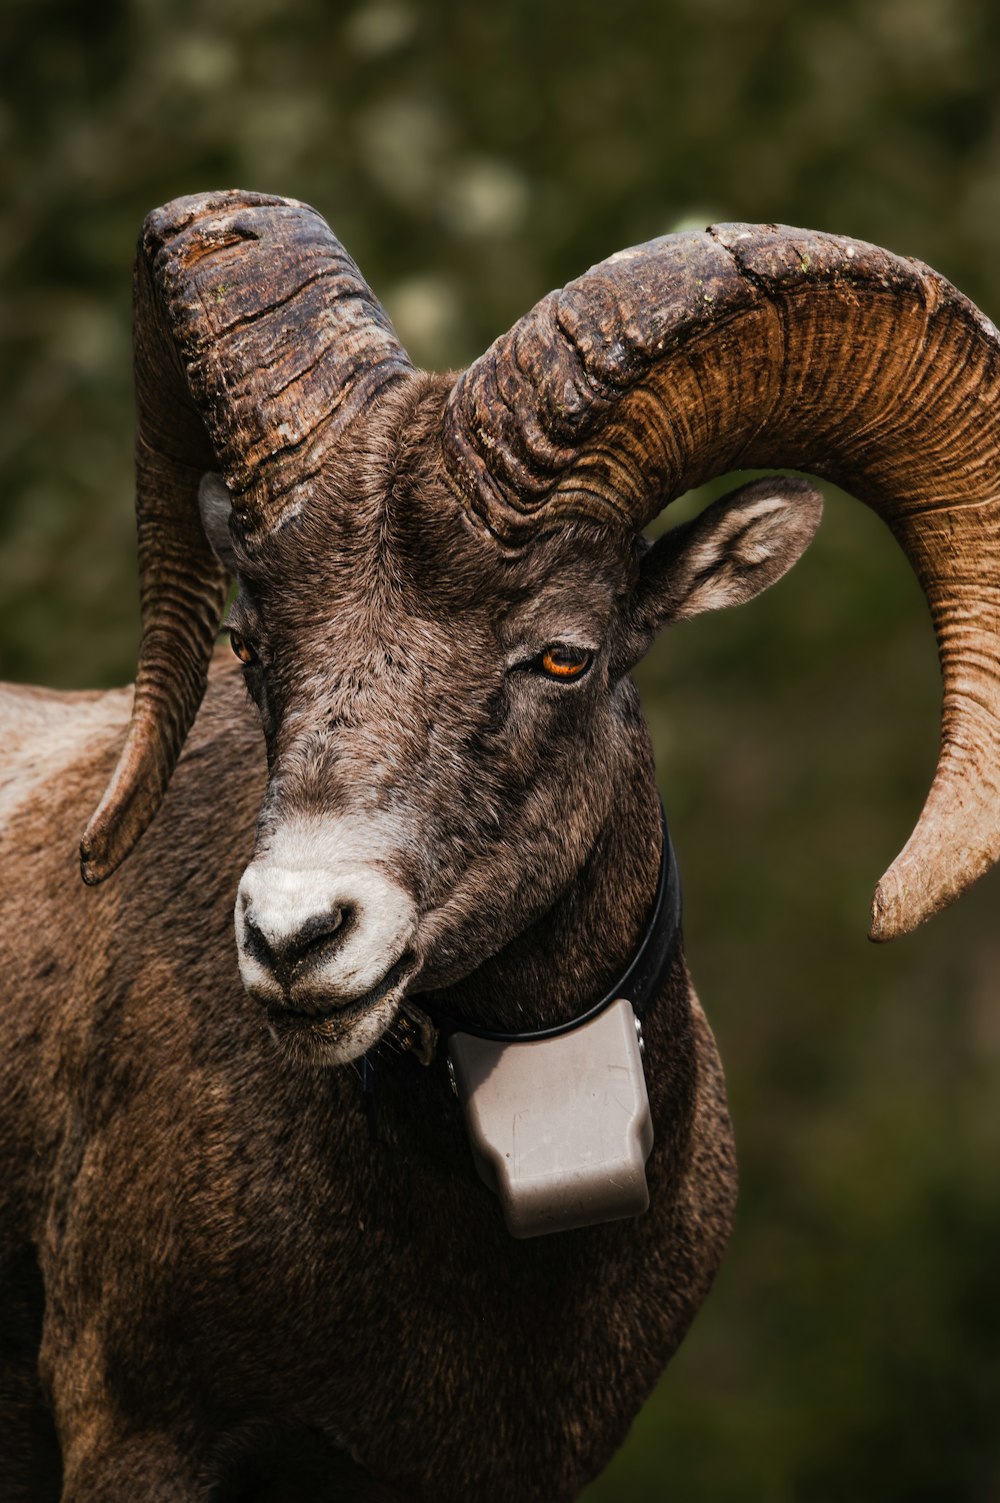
(471, 158)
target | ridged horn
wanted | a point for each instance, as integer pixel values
(760, 345)
(256, 343)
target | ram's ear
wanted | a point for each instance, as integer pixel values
(215, 505)
(736, 548)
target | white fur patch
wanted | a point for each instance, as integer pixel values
(43, 733)
(312, 868)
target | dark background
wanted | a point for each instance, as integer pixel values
(471, 158)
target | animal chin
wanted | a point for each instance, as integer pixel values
(334, 1032)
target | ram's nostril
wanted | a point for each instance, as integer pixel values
(318, 927)
(256, 945)
(315, 935)
(285, 954)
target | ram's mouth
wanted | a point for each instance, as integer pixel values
(342, 1030)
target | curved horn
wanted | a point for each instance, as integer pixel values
(257, 342)
(759, 345)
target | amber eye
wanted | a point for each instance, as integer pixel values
(242, 648)
(564, 662)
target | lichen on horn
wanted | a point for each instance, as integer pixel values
(257, 343)
(760, 345)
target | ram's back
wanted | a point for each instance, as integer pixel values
(48, 742)
(71, 955)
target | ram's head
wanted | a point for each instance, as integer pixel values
(443, 582)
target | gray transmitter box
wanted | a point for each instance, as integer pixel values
(560, 1128)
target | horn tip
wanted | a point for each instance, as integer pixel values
(112, 833)
(925, 879)
(96, 862)
(882, 927)
(893, 912)
(90, 874)
(903, 901)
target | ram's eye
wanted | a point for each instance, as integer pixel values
(242, 648)
(560, 661)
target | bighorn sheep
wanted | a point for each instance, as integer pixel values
(216, 1285)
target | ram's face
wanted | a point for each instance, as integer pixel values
(442, 721)
(444, 718)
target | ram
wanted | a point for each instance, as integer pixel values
(232, 1268)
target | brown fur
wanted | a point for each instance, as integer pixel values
(216, 1287)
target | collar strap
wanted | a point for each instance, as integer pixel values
(640, 984)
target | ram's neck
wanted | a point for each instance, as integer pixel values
(557, 968)
(570, 956)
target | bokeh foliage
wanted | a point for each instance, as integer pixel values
(471, 157)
